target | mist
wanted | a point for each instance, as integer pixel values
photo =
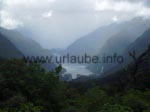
(58, 23)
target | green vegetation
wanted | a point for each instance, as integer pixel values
(28, 88)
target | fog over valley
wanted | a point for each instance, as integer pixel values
(57, 24)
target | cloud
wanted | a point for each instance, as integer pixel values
(8, 22)
(121, 6)
(144, 12)
(132, 9)
(18, 2)
(73, 6)
(47, 14)
(144, 2)
(26, 2)
(67, 19)
(11, 23)
(115, 19)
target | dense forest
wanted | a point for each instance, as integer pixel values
(29, 88)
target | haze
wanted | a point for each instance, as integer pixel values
(58, 23)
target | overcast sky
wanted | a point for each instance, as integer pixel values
(58, 23)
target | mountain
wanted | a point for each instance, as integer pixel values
(1, 59)
(27, 46)
(129, 32)
(92, 42)
(140, 44)
(108, 36)
(7, 49)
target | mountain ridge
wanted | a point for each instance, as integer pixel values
(94, 42)
(7, 49)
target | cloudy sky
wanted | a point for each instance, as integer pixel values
(58, 23)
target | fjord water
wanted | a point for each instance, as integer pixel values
(75, 69)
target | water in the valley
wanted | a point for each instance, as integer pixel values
(75, 69)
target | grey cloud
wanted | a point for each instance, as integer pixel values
(73, 6)
(145, 2)
(70, 19)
